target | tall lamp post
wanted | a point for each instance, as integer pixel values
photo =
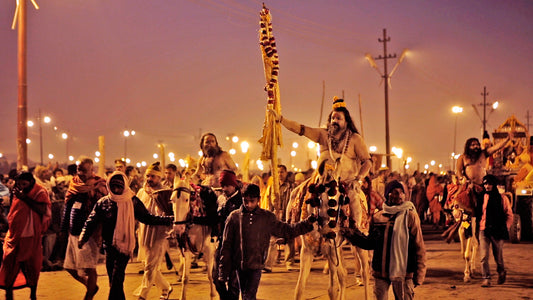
(127, 133)
(386, 78)
(64, 136)
(40, 120)
(456, 110)
(245, 147)
(293, 154)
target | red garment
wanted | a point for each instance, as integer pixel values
(434, 189)
(22, 245)
(77, 186)
(452, 193)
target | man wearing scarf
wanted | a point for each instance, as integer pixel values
(399, 251)
(83, 192)
(496, 219)
(153, 241)
(117, 212)
(28, 219)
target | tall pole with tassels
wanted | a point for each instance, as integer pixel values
(271, 137)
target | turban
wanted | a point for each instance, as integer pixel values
(337, 102)
(154, 169)
(228, 177)
(299, 177)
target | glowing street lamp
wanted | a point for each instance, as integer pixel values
(40, 120)
(64, 136)
(245, 147)
(126, 134)
(456, 110)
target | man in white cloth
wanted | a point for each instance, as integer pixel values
(153, 241)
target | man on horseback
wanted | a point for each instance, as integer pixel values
(471, 166)
(340, 142)
(212, 162)
(153, 241)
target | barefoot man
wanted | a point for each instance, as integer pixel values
(213, 161)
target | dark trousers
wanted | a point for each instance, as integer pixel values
(229, 291)
(116, 263)
(249, 283)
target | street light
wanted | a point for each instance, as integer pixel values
(126, 134)
(293, 154)
(456, 110)
(64, 136)
(245, 147)
(399, 153)
(40, 120)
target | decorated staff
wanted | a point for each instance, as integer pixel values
(271, 137)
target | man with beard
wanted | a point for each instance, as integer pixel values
(472, 163)
(84, 191)
(471, 166)
(153, 241)
(28, 218)
(341, 143)
(229, 201)
(213, 161)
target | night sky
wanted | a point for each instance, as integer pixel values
(171, 70)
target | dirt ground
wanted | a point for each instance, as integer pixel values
(444, 279)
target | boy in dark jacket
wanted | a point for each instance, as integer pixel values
(399, 251)
(117, 213)
(246, 240)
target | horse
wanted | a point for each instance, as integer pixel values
(463, 207)
(193, 218)
(336, 206)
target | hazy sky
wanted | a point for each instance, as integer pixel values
(171, 70)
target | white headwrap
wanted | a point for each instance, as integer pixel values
(124, 235)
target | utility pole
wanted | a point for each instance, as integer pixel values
(484, 104)
(527, 118)
(484, 94)
(386, 78)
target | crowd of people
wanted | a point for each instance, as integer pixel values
(54, 218)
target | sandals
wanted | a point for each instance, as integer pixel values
(165, 295)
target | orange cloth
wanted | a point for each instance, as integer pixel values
(433, 190)
(77, 186)
(22, 245)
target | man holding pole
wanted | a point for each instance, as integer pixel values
(340, 142)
